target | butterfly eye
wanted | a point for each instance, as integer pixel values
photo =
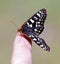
(43, 11)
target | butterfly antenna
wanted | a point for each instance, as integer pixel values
(14, 24)
(11, 20)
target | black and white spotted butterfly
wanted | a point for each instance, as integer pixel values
(34, 26)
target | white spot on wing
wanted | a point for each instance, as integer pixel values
(30, 35)
(35, 18)
(39, 31)
(38, 42)
(27, 23)
(36, 25)
(35, 29)
(38, 14)
(32, 20)
(41, 45)
(44, 48)
(42, 22)
(38, 22)
(40, 19)
(41, 40)
(39, 11)
(30, 25)
(34, 39)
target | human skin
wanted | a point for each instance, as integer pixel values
(22, 50)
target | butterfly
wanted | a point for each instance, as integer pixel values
(34, 26)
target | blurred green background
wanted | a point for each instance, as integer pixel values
(19, 11)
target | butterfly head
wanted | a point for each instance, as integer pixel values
(43, 13)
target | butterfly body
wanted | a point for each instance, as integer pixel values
(34, 26)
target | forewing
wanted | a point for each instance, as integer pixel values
(36, 22)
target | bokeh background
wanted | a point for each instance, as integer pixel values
(19, 11)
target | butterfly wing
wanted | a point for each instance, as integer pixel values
(36, 22)
(34, 26)
(33, 36)
(40, 42)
